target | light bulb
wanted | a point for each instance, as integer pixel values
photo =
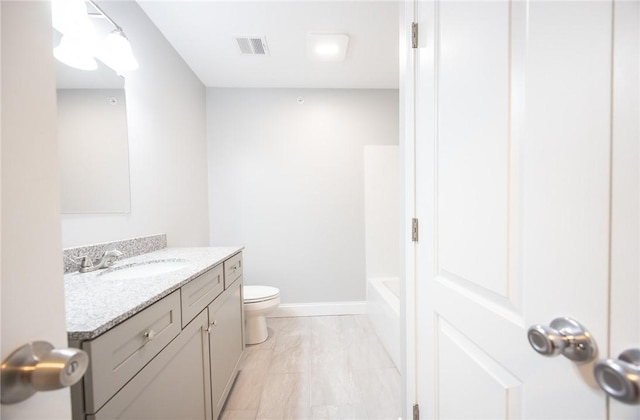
(72, 52)
(116, 52)
(327, 50)
(78, 43)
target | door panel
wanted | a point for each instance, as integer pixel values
(473, 144)
(489, 391)
(566, 155)
(513, 117)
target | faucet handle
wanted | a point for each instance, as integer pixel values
(85, 261)
(109, 257)
(112, 253)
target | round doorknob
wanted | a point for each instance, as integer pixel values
(37, 366)
(563, 336)
(620, 378)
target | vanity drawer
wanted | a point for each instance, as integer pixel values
(199, 292)
(117, 355)
(232, 269)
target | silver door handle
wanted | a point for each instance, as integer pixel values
(37, 366)
(620, 378)
(563, 336)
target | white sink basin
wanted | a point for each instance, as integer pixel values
(143, 269)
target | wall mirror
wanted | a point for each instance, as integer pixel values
(92, 139)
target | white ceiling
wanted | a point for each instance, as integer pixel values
(203, 33)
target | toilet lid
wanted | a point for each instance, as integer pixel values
(259, 293)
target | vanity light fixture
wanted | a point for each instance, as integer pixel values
(117, 53)
(68, 15)
(75, 49)
(80, 46)
(78, 35)
(327, 47)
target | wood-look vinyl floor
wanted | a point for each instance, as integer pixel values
(329, 367)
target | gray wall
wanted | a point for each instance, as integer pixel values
(167, 146)
(287, 182)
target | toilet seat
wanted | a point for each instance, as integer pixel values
(255, 294)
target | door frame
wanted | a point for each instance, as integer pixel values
(407, 156)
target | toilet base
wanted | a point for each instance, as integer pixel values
(255, 329)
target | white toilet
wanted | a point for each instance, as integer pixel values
(258, 302)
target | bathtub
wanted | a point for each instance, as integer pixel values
(383, 309)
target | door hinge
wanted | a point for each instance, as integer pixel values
(414, 34)
(416, 412)
(414, 229)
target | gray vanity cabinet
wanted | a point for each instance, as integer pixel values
(176, 359)
(225, 342)
(174, 385)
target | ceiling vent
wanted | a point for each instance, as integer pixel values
(252, 45)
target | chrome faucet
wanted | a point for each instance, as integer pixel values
(87, 265)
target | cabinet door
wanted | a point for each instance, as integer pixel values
(119, 354)
(175, 385)
(226, 343)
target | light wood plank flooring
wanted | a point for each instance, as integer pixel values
(330, 367)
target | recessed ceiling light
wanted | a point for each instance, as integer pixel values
(327, 47)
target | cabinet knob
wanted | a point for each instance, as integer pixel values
(150, 335)
(211, 325)
(37, 366)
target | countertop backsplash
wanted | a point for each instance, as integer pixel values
(129, 247)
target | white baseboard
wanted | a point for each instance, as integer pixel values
(319, 309)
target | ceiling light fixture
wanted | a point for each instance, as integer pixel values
(327, 47)
(79, 45)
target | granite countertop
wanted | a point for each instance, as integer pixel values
(95, 305)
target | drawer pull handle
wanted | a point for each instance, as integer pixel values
(150, 335)
(214, 323)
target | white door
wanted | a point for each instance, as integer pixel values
(32, 288)
(527, 194)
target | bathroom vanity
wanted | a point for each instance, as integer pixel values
(162, 345)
